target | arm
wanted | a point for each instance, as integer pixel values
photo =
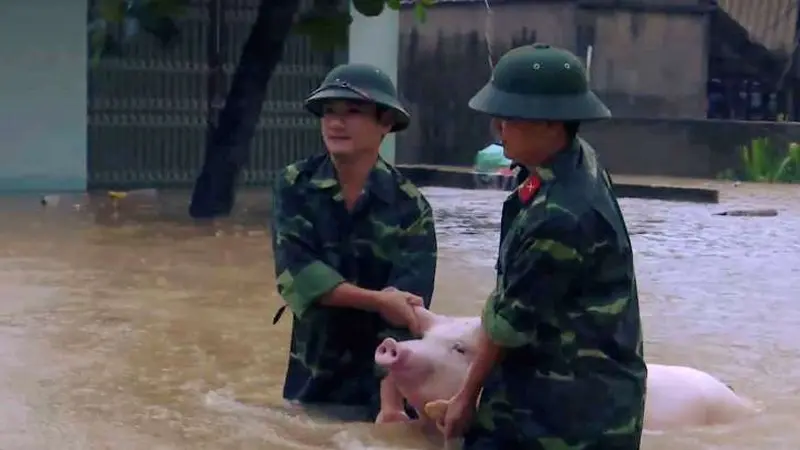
(486, 356)
(536, 278)
(302, 277)
(414, 272)
(414, 267)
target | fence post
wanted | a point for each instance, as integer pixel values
(364, 33)
(214, 74)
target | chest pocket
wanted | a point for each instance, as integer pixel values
(360, 245)
(515, 220)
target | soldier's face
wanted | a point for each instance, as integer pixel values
(527, 142)
(352, 128)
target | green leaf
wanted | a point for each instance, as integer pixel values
(369, 8)
(325, 31)
(427, 3)
(155, 17)
(420, 11)
(162, 28)
(393, 4)
(112, 10)
(102, 45)
(168, 8)
(96, 43)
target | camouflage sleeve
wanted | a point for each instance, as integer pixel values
(415, 265)
(301, 276)
(536, 276)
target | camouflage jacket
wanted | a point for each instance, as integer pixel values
(388, 239)
(566, 310)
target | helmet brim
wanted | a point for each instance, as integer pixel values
(316, 101)
(583, 107)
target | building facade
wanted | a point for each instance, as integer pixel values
(654, 59)
(141, 120)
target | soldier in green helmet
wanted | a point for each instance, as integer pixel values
(561, 363)
(355, 250)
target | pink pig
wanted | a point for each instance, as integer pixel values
(433, 368)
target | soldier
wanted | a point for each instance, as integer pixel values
(561, 363)
(355, 249)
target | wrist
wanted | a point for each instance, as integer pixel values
(368, 299)
(467, 394)
(348, 295)
(392, 409)
(377, 300)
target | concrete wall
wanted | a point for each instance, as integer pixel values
(647, 62)
(681, 148)
(445, 60)
(553, 22)
(43, 95)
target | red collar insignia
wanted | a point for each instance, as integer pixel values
(529, 188)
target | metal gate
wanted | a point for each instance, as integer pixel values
(148, 111)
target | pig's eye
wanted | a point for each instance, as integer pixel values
(459, 348)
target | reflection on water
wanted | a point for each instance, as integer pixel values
(131, 328)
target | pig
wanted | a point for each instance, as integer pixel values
(680, 397)
(432, 369)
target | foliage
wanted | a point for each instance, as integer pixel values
(325, 22)
(156, 18)
(761, 162)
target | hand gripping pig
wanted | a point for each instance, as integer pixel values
(432, 369)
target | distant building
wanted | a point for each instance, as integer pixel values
(728, 59)
(147, 112)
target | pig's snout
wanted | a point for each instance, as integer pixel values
(390, 354)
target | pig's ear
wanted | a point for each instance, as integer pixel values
(427, 319)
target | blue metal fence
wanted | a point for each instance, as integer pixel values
(148, 110)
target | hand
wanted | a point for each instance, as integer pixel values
(392, 416)
(457, 417)
(397, 308)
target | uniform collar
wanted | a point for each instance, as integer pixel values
(562, 163)
(380, 180)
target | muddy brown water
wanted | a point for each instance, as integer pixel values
(132, 328)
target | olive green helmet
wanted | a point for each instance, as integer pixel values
(361, 82)
(539, 82)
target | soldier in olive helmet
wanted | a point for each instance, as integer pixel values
(560, 363)
(355, 250)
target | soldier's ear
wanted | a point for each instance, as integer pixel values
(496, 128)
(386, 119)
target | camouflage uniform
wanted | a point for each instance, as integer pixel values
(565, 307)
(388, 239)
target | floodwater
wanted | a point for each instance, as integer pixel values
(131, 328)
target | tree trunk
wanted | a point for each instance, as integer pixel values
(228, 145)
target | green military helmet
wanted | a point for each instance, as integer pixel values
(539, 82)
(361, 82)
